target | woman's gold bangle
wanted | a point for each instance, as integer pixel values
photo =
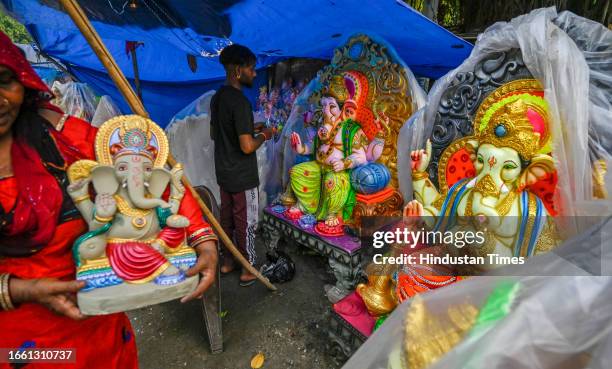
(81, 199)
(5, 294)
(103, 219)
(417, 176)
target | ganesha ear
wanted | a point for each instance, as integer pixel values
(104, 179)
(541, 165)
(472, 147)
(160, 177)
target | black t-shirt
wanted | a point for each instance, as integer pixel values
(232, 116)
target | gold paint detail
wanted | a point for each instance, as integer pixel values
(125, 208)
(80, 170)
(486, 186)
(445, 157)
(600, 168)
(162, 268)
(120, 125)
(428, 336)
(94, 264)
(506, 203)
(520, 135)
(417, 176)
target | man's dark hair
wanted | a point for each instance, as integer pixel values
(237, 55)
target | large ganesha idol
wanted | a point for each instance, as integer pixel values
(363, 101)
(500, 179)
(135, 252)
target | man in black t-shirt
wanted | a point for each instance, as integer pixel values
(236, 141)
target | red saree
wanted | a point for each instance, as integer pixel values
(103, 342)
(100, 342)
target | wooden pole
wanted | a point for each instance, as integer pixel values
(94, 40)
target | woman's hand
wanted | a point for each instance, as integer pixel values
(58, 296)
(206, 265)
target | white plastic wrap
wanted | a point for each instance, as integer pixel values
(576, 80)
(105, 110)
(76, 99)
(191, 145)
(561, 321)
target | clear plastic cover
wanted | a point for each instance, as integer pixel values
(76, 99)
(105, 110)
(571, 57)
(563, 320)
(552, 322)
(191, 145)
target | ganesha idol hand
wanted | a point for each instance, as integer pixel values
(413, 212)
(296, 143)
(338, 165)
(420, 158)
(106, 205)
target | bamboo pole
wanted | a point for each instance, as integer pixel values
(80, 20)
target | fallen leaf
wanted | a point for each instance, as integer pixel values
(258, 361)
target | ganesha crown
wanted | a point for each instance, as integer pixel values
(518, 122)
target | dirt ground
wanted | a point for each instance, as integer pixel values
(287, 326)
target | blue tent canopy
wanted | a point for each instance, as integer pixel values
(274, 30)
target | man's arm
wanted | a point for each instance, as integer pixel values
(250, 144)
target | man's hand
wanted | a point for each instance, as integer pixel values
(268, 132)
(58, 296)
(206, 265)
(258, 127)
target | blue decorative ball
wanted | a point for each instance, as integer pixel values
(370, 178)
(500, 130)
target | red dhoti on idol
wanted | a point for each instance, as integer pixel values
(137, 261)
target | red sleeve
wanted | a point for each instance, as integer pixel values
(81, 135)
(199, 230)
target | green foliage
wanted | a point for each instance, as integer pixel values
(15, 30)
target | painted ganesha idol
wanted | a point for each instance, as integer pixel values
(498, 180)
(363, 101)
(136, 250)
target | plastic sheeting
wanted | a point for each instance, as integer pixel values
(105, 110)
(75, 98)
(563, 321)
(192, 146)
(575, 70)
(275, 30)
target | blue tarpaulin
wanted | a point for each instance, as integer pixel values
(274, 30)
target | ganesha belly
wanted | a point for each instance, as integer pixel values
(136, 250)
(349, 137)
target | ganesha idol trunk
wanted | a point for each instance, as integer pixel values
(136, 251)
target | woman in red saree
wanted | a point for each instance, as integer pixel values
(39, 224)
